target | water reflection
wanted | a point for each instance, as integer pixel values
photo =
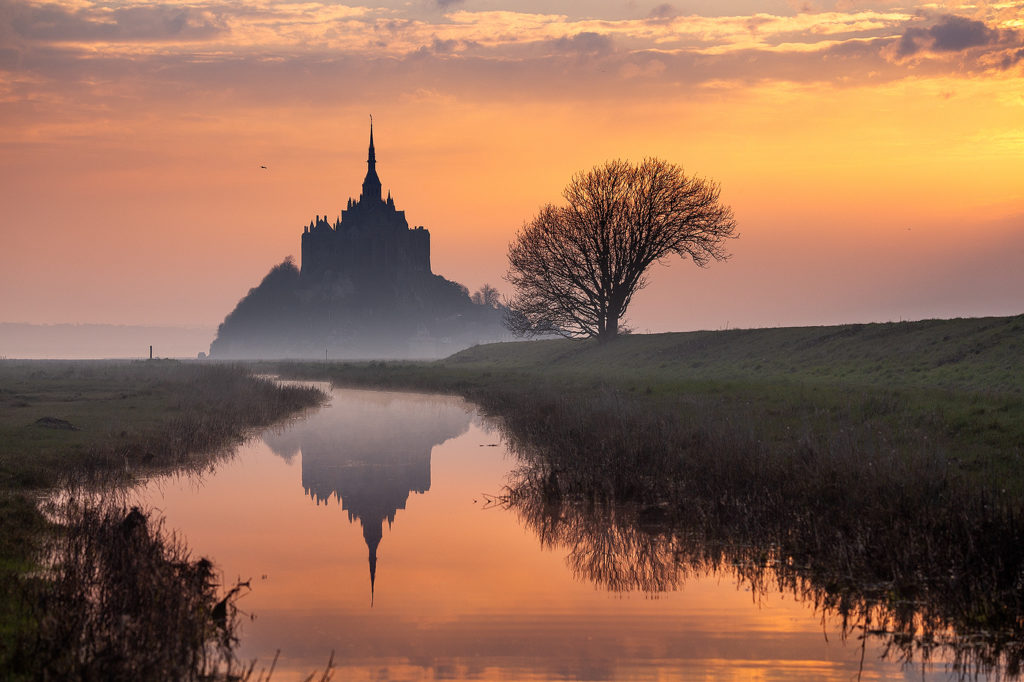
(368, 452)
(965, 620)
(466, 592)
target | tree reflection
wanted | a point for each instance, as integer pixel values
(653, 544)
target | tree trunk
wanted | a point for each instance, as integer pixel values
(611, 328)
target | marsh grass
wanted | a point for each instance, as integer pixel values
(875, 470)
(103, 425)
(122, 599)
(128, 416)
(896, 543)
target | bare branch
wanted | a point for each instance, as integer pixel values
(576, 268)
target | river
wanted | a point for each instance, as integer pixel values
(368, 528)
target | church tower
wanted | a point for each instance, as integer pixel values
(371, 184)
(370, 242)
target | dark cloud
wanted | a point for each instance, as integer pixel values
(912, 41)
(955, 33)
(394, 26)
(151, 22)
(1012, 57)
(445, 4)
(439, 46)
(586, 43)
(663, 11)
(951, 34)
(755, 23)
(442, 48)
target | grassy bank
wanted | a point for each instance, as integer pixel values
(877, 470)
(108, 422)
(955, 387)
(73, 418)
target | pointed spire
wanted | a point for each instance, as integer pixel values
(371, 184)
(372, 533)
(372, 160)
(373, 572)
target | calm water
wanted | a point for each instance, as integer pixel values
(365, 530)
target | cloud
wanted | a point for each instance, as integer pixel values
(1011, 58)
(445, 4)
(90, 54)
(663, 11)
(952, 33)
(587, 43)
(440, 47)
(56, 23)
(959, 33)
(964, 44)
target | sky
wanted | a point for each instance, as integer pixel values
(872, 151)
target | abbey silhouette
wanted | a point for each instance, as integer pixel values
(370, 240)
(365, 290)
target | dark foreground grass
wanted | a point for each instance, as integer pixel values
(877, 470)
(896, 542)
(103, 424)
(124, 600)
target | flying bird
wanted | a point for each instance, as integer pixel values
(263, 167)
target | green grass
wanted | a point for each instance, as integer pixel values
(953, 386)
(874, 470)
(118, 417)
(107, 423)
(977, 355)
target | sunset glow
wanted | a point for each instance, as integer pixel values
(873, 151)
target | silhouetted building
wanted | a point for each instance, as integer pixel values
(365, 290)
(370, 240)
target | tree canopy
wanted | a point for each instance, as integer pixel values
(576, 267)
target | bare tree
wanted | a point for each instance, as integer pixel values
(576, 267)
(487, 296)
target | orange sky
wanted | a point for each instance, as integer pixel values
(873, 151)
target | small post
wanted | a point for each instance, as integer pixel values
(325, 356)
(151, 352)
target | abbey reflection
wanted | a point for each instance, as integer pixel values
(367, 451)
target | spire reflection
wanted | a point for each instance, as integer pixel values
(368, 452)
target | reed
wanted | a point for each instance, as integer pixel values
(122, 599)
(894, 542)
(102, 425)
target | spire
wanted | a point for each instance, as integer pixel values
(373, 572)
(372, 160)
(371, 184)
(372, 533)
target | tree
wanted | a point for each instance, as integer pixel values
(487, 296)
(576, 267)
